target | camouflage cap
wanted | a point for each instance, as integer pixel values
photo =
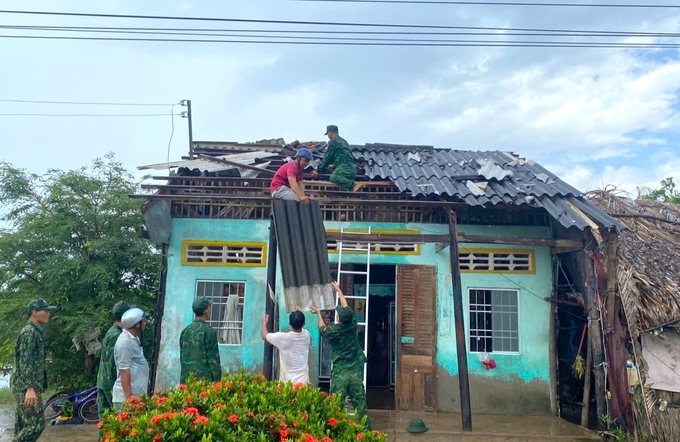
(119, 308)
(37, 305)
(346, 314)
(331, 128)
(200, 304)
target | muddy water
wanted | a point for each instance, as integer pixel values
(64, 433)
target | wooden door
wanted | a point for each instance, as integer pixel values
(416, 337)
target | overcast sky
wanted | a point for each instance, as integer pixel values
(592, 116)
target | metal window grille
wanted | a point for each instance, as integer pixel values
(494, 321)
(496, 261)
(350, 246)
(226, 317)
(225, 254)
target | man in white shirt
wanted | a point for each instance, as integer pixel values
(131, 365)
(293, 348)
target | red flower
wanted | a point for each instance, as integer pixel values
(284, 434)
(139, 405)
(326, 439)
(309, 438)
(376, 432)
(157, 438)
(228, 384)
(169, 415)
(251, 415)
(218, 405)
(295, 424)
(324, 393)
(203, 394)
(360, 436)
(123, 416)
(332, 422)
(100, 425)
(150, 430)
(156, 419)
(305, 416)
(134, 433)
(161, 400)
(133, 399)
(217, 387)
(242, 384)
(201, 420)
(278, 389)
(182, 387)
(262, 377)
(191, 410)
(233, 418)
(298, 386)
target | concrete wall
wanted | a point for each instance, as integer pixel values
(519, 384)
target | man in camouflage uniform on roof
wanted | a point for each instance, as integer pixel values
(29, 378)
(347, 377)
(338, 157)
(198, 350)
(107, 374)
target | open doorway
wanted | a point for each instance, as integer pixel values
(379, 314)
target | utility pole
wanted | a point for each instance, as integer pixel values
(187, 115)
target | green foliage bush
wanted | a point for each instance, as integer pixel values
(242, 407)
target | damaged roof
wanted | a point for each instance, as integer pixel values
(477, 178)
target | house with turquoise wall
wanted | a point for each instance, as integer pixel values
(515, 221)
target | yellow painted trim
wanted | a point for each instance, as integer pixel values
(378, 232)
(187, 243)
(531, 252)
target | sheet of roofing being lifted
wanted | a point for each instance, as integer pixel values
(303, 255)
(205, 165)
(479, 178)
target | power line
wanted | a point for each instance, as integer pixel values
(311, 23)
(498, 31)
(295, 22)
(80, 115)
(480, 3)
(288, 33)
(413, 43)
(84, 103)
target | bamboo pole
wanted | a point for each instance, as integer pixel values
(586, 386)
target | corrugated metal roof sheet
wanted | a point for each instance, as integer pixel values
(477, 178)
(303, 255)
(247, 158)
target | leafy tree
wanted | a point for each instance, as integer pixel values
(72, 238)
(666, 193)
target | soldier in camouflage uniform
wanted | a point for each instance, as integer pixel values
(340, 157)
(29, 378)
(198, 350)
(347, 377)
(107, 374)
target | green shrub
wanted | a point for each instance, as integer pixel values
(242, 407)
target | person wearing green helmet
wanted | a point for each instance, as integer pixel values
(29, 377)
(107, 374)
(340, 160)
(198, 350)
(347, 376)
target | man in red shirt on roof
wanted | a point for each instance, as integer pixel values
(288, 183)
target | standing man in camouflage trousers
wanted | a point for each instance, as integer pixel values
(347, 377)
(339, 158)
(29, 379)
(198, 350)
(107, 374)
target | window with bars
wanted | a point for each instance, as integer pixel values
(503, 261)
(350, 246)
(223, 254)
(226, 317)
(494, 321)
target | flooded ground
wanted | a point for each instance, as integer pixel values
(443, 426)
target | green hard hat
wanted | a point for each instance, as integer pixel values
(119, 308)
(38, 304)
(345, 313)
(331, 128)
(200, 304)
(416, 426)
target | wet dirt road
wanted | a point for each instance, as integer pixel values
(64, 433)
